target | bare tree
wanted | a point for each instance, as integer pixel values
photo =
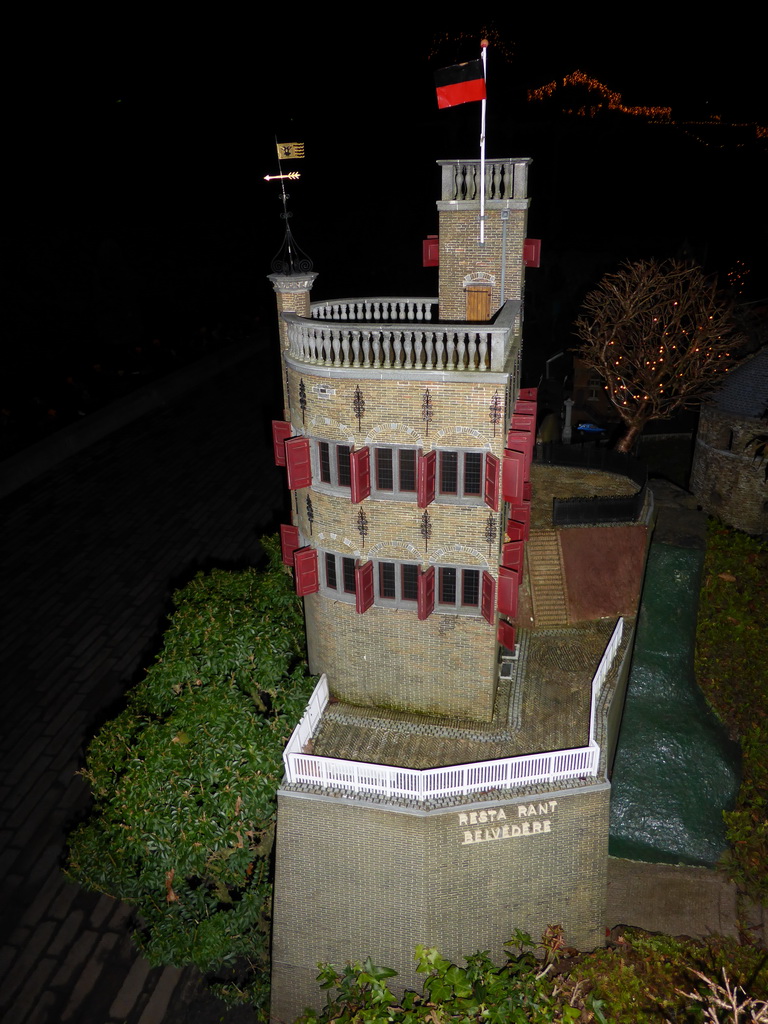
(661, 338)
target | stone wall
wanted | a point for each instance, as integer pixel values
(356, 880)
(725, 478)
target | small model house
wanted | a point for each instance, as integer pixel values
(449, 780)
(725, 476)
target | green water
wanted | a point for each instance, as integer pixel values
(675, 770)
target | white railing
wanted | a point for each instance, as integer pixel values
(303, 768)
(504, 179)
(606, 663)
(313, 712)
(394, 346)
(436, 783)
(381, 308)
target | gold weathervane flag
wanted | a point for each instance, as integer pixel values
(290, 151)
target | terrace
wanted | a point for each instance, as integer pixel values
(547, 728)
(400, 334)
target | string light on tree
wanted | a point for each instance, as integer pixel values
(636, 329)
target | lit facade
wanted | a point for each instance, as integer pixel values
(449, 781)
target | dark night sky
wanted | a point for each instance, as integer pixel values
(154, 137)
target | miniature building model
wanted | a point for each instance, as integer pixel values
(418, 807)
(726, 477)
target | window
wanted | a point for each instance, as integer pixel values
(458, 589)
(397, 583)
(391, 584)
(395, 470)
(334, 468)
(460, 474)
(339, 575)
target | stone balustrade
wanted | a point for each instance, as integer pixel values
(386, 309)
(395, 345)
(505, 180)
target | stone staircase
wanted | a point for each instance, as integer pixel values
(545, 579)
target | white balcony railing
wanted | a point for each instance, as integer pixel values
(389, 309)
(399, 344)
(413, 784)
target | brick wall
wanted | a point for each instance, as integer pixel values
(292, 294)
(354, 880)
(447, 664)
(462, 256)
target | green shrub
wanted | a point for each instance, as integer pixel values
(639, 978)
(732, 670)
(185, 778)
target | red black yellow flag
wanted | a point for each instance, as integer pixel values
(461, 83)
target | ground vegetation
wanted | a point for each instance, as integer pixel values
(732, 671)
(638, 978)
(184, 780)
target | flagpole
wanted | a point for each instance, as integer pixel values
(483, 53)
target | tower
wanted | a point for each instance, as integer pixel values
(417, 806)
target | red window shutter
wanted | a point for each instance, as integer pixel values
(488, 600)
(509, 582)
(515, 531)
(528, 394)
(527, 491)
(512, 476)
(521, 421)
(521, 441)
(522, 514)
(281, 431)
(512, 555)
(506, 635)
(430, 249)
(492, 481)
(426, 474)
(532, 252)
(307, 576)
(289, 542)
(426, 592)
(298, 462)
(363, 587)
(524, 408)
(360, 474)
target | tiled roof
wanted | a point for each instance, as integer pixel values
(745, 391)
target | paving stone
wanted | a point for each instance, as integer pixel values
(25, 963)
(104, 907)
(34, 801)
(60, 908)
(46, 1010)
(23, 756)
(8, 954)
(159, 1000)
(88, 976)
(30, 995)
(66, 934)
(122, 918)
(76, 958)
(40, 906)
(131, 990)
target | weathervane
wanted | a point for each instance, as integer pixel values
(289, 259)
